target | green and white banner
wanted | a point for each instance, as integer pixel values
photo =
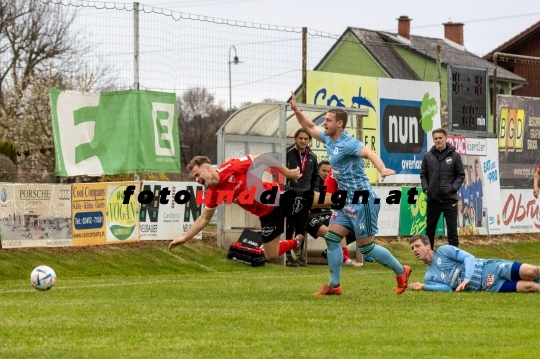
(114, 132)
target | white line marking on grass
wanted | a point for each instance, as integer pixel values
(197, 278)
(188, 261)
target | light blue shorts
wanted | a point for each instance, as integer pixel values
(499, 271)
(360, 217)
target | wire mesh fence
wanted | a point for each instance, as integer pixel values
(178, 51)
(130, 45)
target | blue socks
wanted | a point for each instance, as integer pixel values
(335, 257)
(382, 256)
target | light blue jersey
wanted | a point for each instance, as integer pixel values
(449, 267)
(347, 166)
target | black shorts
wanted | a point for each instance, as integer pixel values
(318, 219)
(272, 225)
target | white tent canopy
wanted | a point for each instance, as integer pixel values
(256, 129)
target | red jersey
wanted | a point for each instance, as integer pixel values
(232, 177)
(330, 183)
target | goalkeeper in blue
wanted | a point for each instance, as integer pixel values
(453, 269)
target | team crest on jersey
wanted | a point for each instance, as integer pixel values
(448, 160)
(335, 150)
(231, 178)
(439, 261)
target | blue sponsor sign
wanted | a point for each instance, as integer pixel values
(88, 220)
(403, 140)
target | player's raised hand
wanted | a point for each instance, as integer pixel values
(293, 104)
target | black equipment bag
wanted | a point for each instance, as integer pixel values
(248, 249)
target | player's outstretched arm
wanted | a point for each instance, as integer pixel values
(198, 226)
(306, 124)
(365, 152)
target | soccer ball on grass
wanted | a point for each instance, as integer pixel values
(43, 278)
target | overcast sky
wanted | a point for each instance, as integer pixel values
(488, 24)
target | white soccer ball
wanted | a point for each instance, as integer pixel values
(43, 278)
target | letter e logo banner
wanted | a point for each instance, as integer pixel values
(110, 132)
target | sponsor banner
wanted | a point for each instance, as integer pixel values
(520, 211)
(35, 215)
(476, 146)
(340, 90)
(122, 218)
(408, 112)
(459, 142)
(388, 221)
(99, 215)
(163, 217)
(412, 218)
(88, 142)
(478, 212)
(518, 140)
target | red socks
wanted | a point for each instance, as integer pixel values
(287, 245)
(345, 254)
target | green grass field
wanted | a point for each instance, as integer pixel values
(145, 302)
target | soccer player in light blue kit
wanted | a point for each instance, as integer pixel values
(453, 269)
(346, 156)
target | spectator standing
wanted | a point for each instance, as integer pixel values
(442, 174)
(300, 156)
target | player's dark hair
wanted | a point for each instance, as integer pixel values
(197, 161)
(324, 162)
(341, 115)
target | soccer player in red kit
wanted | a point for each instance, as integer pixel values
(232, 177)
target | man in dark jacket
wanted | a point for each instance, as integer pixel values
(442, 175)
(300, 156)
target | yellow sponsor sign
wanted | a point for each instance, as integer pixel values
(99, 215)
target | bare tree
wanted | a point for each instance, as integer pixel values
(39, 49)
(199, 119)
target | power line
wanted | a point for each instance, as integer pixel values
(479, 20)
(200, 3)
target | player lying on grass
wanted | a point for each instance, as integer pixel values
(453, 269)
(235, 175)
